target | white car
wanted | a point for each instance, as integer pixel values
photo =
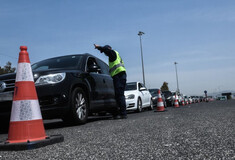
(138, 97)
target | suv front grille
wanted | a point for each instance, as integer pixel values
(10, 85)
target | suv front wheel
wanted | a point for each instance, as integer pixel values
(79, 107)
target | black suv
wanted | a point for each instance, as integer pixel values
(154, 93)
(68, 87)
(168, 98)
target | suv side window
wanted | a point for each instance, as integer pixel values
(90, 62)
(104, 67)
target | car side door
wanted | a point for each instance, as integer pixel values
(108, 88)
(96, 81)
(141, 90)
(145, 94)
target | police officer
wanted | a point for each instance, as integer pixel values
(118, 73)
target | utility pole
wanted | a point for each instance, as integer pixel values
(178, 91)
(140, 34)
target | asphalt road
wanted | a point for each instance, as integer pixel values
(196, 131)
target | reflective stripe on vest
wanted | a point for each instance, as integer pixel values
(116, 66)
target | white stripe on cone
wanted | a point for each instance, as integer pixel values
(24, 72)
(24, 110)
(160, 104)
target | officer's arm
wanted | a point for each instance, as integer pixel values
(110, 53)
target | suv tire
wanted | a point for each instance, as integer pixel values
(79, 107)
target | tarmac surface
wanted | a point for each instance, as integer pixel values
(196, 131)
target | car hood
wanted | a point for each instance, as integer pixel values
(36, 74)
(8, 76)
(130, 92)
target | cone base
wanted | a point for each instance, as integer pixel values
(24, 131)
(31, 145)
(161, 110)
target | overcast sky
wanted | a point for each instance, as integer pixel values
(197, 34)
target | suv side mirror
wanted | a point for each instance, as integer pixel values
(94, 68)
(143, 88)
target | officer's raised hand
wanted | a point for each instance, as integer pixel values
(98, 47)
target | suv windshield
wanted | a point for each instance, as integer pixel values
(65, 62)
(153, 92)
(131, 86)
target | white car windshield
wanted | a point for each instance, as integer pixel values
(130, 86)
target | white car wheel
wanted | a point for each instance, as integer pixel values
(139, 105)
(151, 105)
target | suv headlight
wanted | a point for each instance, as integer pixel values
(50, 79)
(131, 96)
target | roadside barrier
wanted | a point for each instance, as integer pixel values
(26, 129)
(160, 104)
(176, 104)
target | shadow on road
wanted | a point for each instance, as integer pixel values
(56, 123)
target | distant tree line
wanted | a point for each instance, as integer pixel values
(7, 69)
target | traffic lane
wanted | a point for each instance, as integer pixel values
(196, 131)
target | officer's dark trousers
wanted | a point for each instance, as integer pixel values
(119, 82)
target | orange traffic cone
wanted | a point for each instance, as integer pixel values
(182, 102)
(160, 105)
(176, 104)
(186, 102)
(26, 129)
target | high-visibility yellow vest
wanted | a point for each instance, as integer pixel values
(116, 66)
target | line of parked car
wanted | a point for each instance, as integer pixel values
(75, 86)
(137, 94)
